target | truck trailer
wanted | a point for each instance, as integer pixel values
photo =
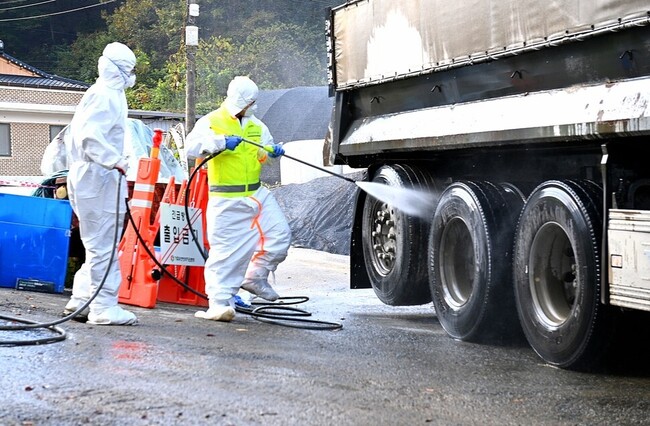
(530, 121)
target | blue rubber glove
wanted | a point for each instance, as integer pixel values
(232, 142)
(277, 151)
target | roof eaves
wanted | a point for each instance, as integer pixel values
(24, 65)
(42, 82)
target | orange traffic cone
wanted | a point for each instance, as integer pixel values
(140, 273)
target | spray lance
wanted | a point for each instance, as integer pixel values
(410, 201)
(269, 149)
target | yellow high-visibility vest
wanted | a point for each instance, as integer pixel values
(234, 173)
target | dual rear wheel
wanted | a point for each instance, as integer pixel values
(470, 260)
(495, 264)
(557, 280)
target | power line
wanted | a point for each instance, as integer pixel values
(13, 1)
(26, 5)
(57, 13)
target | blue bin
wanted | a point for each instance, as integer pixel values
(34, 242)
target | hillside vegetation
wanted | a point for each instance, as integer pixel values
(278, 43)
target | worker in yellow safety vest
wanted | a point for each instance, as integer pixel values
(247, 231)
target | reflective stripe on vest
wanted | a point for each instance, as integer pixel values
(235, 188)
(234, 173)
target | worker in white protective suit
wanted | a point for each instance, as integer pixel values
(247, 231)
(97, 167)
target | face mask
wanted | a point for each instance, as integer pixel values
(129, 78)
(130, 82)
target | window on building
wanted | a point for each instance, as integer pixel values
(5, 140)
(54, 130)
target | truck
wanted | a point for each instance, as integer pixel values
(530, 122)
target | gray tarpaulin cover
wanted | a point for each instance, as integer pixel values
(382, 39)
(300, 113)
(320, 212)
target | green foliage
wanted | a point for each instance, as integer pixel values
(168, 93)
(49, 30)
(151, 26)
(214, 70)
(278, 43)
(79, 60)
(281, 56)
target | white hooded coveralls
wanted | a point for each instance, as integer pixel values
(96, 148)
(248, 236)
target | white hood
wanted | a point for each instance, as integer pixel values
(115, 66)
(241, 92)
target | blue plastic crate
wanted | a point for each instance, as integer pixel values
(34, 242)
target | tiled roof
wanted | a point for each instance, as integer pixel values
(52, 82)
(42, 80)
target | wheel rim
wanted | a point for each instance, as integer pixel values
(457, 263)
(384, 238)
(553, 279)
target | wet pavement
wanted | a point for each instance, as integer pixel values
(386, 366)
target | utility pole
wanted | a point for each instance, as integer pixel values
(191, 44)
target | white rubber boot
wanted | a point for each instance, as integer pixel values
(261, 288)
(217, 313)
(72, 306)
(114, 315)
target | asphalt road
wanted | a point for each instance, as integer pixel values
(386, 366)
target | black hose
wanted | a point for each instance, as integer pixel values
(58, 337)
(257, 313)
(186, 203)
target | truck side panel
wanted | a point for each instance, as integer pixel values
(597, 76)
(380, 40)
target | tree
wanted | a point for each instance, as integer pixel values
(278, 43)
(282, 56)
(152, 27)
(79, 60)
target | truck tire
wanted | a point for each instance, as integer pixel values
(557, 274)
(394, 242)
(469, 261)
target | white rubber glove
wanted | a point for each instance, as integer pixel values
(122, 166)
